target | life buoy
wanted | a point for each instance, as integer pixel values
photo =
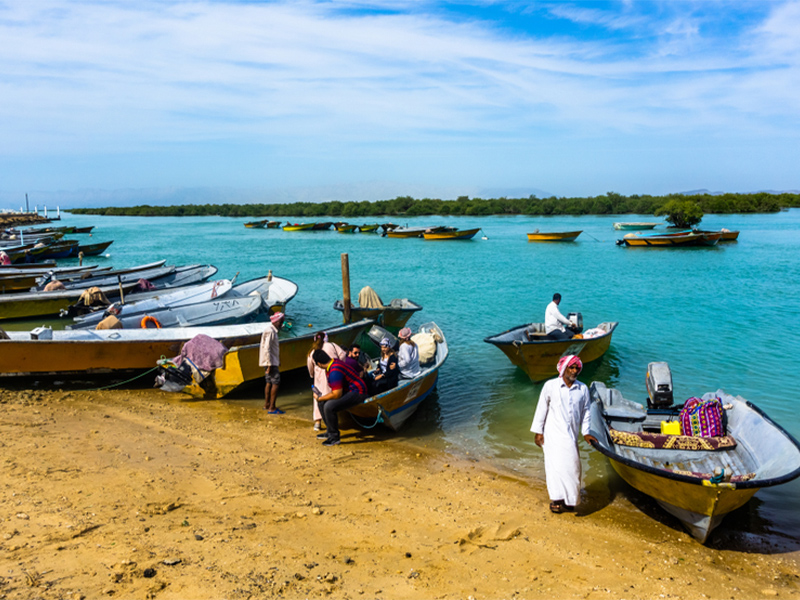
(148, 319)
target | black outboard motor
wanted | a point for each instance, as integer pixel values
(659, 385)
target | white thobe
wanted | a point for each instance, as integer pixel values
(561, 414)
(553, 319)
(269, 354)
(408, 361)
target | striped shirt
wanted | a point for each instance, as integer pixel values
(344, 377)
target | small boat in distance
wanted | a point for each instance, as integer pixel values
(273, 224)
(256, 224)
(346, 228)
(727, 234)
(697, 479)
(633, 226)
(368, 228)
(528, 347)
(322, 226)
(455, 234)
(298, 227)
(92, 249)
(564, 236)
(679, 239)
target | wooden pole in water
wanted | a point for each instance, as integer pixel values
(346, 286)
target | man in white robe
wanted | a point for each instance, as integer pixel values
(561, 414)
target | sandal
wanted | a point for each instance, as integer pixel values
(557, 507)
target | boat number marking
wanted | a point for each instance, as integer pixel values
(413, 390)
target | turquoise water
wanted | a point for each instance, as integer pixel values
(722, 317)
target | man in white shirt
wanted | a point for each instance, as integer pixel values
(269, 357)
(561, 414)
(554, 321)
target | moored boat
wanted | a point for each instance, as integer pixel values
(697, 479)
(256, 224)
(91, 249)
(554, 236)
(455, 234)
(273, 224)
(726, 234)
(394, 407)
(346, 228)
(393, 315)
(633, 226)
(671, 240)
(241, 361)
(298, 227)
(368, 228)
(528, 347)
(411, 232)
(322, 226)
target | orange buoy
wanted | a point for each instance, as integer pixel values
(149, 319)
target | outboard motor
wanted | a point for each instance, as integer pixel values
(576, 319)
(659, 385)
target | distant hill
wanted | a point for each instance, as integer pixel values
(704, 191)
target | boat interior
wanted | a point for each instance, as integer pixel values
(752, 449)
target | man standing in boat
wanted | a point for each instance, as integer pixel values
(561, 414)
(269, 357)
(556, 325)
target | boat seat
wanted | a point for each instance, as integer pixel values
(661, 441)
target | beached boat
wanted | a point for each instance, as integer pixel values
(219, 311)
(633, 226)
(43, 266)
(241, 362)
(256, 224)
(22, 280)
(298, 227)
(275, 293)
(554, 236)
(698, 480)
(346, 228)
(394, 407)
(455, 234)
(393, 315)
(528, 347)
(91, 249)
(167, 276)
(368, 228)
(45, 351)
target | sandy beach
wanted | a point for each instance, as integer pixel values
(138, 494)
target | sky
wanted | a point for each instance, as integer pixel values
(113, 102)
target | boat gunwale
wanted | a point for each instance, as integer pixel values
(740, 485)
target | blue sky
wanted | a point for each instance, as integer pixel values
(115, 102)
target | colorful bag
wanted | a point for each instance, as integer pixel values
(702, 418)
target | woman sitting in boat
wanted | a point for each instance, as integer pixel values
(386, 375)
(407, 355)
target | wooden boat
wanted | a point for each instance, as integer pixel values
(241, 362)
(256, 224)
(684, 481)
(528, 348)
(92, 249)
(394, 407)
(563, 236)
(322, 226)
(25, 279)
(413, 232)
(299, 227)
(674, 240)
(105, 278)
(346, 228)
(47, 352)
(634, 226)
(465, 234)
(43, 266)
(368, 228)
(219, 311)
(87, 229)
(60, 249)
(726, 234)
(394, 315)
(161, 277)
(273, 224)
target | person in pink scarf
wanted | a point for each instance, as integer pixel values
(269, 357)
(561, 415)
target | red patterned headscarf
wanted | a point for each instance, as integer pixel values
(566, 361)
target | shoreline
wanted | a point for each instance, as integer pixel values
(103, 489)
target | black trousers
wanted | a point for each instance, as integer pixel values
(331, 408)
(557, 334)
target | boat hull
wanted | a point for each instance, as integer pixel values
(539, 358)
(699, 507)
(393, 318)
(241, 363)
(299, 227)
(567, 236)
(634, 226)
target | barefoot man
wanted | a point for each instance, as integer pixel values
(269, 357)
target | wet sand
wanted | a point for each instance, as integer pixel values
(139, 494)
